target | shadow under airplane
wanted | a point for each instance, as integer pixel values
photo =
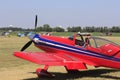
(95, 73)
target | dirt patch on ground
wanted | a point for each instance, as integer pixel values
(18, 73)
(26, 72)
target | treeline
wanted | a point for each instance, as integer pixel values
(48, 28)
(14, 29)
(94, 29)
(11, 28)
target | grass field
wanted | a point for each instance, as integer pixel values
(12, 68)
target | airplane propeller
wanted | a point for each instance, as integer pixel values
(26, 45)
(31, 37)
(36, 23)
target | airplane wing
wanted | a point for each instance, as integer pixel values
(51, 59)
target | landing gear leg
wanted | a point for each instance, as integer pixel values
(43, 72)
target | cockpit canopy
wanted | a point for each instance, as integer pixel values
(97, 42)
(92, 41)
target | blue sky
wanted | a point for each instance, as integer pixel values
(21, 13)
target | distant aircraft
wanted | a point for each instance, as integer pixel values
(74, 52)
(27, 33)
(6, 33)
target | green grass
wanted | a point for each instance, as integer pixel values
(71, 33)
(14, 33)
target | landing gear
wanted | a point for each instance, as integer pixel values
(44, 72)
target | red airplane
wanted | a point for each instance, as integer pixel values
(74, 52)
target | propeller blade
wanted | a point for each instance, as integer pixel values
(31, 36)
(26, 45)
(35, 22)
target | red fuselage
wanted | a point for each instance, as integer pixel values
(103, 56)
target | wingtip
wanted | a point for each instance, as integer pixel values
(16, 53)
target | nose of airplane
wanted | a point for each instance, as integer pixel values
(31, 36)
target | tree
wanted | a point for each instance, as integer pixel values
(74, 29)
(39, 28)
(58, 29)
(115, 29)
(47, 28)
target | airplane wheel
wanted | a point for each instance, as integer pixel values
(43, 73)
